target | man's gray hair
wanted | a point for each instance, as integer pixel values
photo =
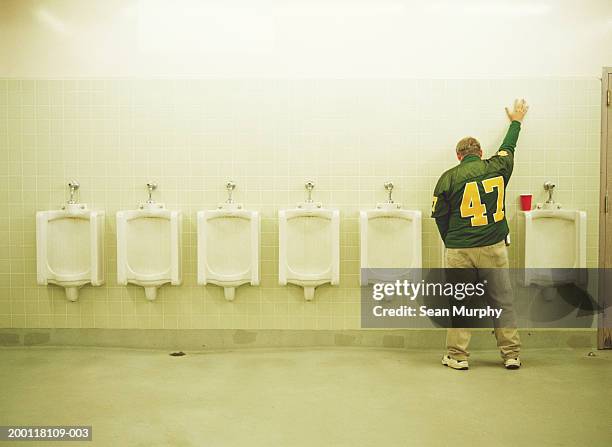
(468, 146)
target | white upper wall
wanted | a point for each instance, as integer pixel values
(305, 38)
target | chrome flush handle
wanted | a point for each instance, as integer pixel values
(389, 188)
(549, 186)
(230, 186)
(309, 187)
(151, 187)
(74, 187)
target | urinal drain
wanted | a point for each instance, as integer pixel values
(177, 354)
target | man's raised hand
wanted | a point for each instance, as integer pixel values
(520, 109)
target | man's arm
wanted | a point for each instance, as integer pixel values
(442, 223)
(509, 143)
(440, 209)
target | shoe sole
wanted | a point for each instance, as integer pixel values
(463, 368)
(456, 369)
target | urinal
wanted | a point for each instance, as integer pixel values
(390, 238)
(228, 246)
(309, 245)
(149, 246)
(553, 245)
(70, 246)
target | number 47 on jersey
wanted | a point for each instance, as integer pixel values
(472, 206)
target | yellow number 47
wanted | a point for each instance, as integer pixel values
(471, 205)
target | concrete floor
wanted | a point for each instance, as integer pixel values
(309, 397)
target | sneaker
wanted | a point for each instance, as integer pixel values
(512, 363)
(447, 360)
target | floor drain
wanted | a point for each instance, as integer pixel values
(177, 354)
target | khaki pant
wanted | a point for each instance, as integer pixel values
(483, 261)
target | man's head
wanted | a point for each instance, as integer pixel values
(468, 146)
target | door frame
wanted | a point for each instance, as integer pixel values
(604, 334)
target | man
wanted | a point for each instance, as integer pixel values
(469, 209)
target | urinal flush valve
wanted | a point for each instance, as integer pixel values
(74, 187)
(230, 186)
(309, 187)
(549, 187)
(389, 189)
(151, 187)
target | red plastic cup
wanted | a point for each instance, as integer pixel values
(526, 202)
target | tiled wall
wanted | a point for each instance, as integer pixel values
(191, 136)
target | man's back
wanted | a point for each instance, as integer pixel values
(469, 199)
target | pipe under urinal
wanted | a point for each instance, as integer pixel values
(151, 293)
(72, 293)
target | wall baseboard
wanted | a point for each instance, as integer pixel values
(219, 339)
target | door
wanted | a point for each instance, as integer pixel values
(604, 333)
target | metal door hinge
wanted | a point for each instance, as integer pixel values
(608, 97)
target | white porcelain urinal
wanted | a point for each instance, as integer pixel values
(390, 239)
(553, 243)
(228, 246)
(309, 246)
(70, 246)
(149, 246)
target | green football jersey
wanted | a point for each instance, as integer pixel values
(469, 199)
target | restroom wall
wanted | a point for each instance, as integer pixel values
(312, 39)
(270, 137)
